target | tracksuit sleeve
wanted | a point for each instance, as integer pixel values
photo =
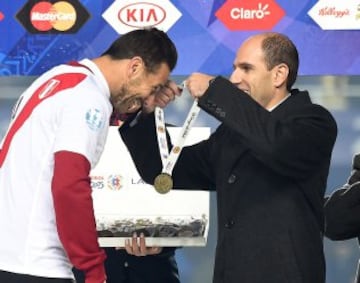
(74, 214)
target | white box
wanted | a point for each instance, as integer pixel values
(123, 202)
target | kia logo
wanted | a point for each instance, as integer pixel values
(141, 14)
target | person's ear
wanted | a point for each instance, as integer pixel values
(136, 66)
(281, 73)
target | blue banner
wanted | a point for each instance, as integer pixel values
(36, 35)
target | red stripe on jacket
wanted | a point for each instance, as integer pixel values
(75, 215)
(47, 89)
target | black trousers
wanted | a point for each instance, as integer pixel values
(124, 268)
(9, 277)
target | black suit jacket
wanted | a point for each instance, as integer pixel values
(122, 267)
(342, 210)
(269, 170)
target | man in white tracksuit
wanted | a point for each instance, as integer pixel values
(56, 135)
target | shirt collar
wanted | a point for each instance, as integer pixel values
(102, 83)
(281, 101)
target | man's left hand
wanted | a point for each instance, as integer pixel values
(162, 97)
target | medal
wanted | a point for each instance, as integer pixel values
(163, 183)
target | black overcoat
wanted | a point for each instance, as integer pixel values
(269, 170)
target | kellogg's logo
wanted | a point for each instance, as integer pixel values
(53, 16)
(128, 15)
(336, 15)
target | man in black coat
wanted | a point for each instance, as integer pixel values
(122, 267)
(342, 210)
(268, 162)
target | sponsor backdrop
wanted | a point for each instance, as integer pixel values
(36, 35)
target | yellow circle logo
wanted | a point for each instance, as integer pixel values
(66, 16)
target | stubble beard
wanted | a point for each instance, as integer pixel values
(119, 102)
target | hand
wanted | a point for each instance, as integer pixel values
(355, 173)
(354, 177)
(344, 199)
(198, 83)
(162, 97)
(137, 246)
(341, 213)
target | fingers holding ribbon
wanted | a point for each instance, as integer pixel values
(161, 97)
(197, 84)
(166, 94)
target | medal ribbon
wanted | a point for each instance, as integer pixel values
(169, 159)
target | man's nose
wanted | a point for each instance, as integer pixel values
(235, 78)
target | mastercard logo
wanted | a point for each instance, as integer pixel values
(53, 17)
(60, 16)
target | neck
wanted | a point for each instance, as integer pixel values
(112, 71)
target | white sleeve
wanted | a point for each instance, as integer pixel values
(83, 123)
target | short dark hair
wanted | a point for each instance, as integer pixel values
(151, 44)
(278, 48)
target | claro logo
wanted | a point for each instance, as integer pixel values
(53, 17)
(250, 14)
(142, 14)
(127, 15)
(241, 13)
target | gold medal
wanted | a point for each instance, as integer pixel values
(163, 183)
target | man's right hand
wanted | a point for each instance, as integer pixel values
(198, 83)
(355, 173)
(342, 207)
